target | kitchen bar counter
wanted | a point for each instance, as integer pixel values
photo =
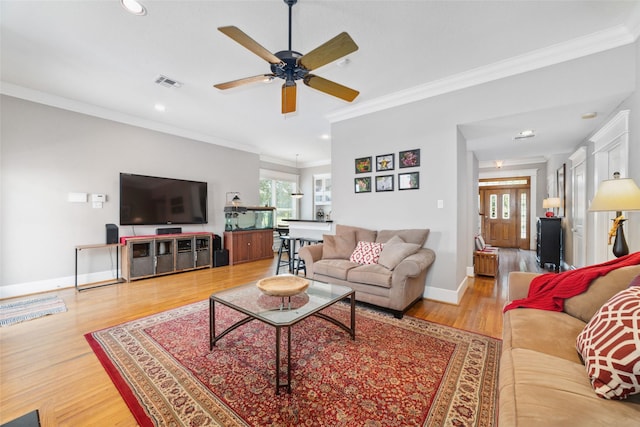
(313, 229)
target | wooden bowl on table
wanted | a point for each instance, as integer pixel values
(282, 286)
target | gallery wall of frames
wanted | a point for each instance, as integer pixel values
(385, 178)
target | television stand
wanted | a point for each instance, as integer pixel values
(160, 254)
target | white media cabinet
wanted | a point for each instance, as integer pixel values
(155, 255)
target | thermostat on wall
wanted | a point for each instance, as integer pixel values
(98, 197)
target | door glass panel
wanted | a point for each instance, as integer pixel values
(506, 212)
(493, 206)
(523, 215)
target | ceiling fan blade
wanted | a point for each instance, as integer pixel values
(288, 97)
(331, 88)
(336, 48)
(241, 37)
(246, 80)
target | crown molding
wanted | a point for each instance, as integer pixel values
(633, 22)
(36, 96)
(590, 44)
(301, 165)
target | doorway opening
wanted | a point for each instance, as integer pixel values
(504, 205)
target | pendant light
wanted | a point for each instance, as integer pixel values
(297, 194)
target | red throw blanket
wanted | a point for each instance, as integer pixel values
(548, 291)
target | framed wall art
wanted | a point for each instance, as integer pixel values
(384, 183)
(409, 158)
(363, 184)
(409, 181)
(363, 165)
(386, 162)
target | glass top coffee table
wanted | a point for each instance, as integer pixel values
(280, 313)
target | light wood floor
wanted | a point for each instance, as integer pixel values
(46, 363)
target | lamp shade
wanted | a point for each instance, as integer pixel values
(620, 194)
(551, 202)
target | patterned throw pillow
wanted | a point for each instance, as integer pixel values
(366, 253)
(610, 346)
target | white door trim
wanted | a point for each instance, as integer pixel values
(611, 151)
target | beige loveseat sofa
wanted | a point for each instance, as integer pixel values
(543, 381)
(393, 281)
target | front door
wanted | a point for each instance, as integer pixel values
(500, 220)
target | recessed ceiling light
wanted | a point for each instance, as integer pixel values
(134, 7)
(325, 136)
(160, 107)
(591, 115)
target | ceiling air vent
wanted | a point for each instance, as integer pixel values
(167, 82)
(525, 134)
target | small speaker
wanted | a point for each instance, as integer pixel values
(220, 258)
(112, 233)
(217, 242)
(170, 230)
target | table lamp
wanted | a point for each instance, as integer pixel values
(617, 194)
(551, 203)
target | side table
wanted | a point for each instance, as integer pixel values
(98, 246)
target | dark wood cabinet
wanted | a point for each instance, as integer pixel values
(549, 247)
(247, 246)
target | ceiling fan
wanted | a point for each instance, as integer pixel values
(290, 65)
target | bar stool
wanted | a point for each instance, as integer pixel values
(286, 245)
(299, 261)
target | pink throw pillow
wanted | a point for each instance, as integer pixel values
(366, 253)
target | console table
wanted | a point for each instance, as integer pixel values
(99, 246)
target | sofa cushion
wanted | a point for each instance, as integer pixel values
(395, 250)
(337, 268)
(366, 253)
(585, 305)
(610, 346)
(537, 389)
(372, 274)
(417, 236)
(339, 246)
(549, 332)
(362, 234)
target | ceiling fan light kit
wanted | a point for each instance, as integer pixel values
(291, 66)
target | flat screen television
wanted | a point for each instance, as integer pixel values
(152, 200)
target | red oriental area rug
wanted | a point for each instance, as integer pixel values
(396, 373)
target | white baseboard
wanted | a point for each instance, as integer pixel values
(21, 289)
(28, 288)
(471, 272)
(447, 295)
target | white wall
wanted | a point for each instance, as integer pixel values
(391, 131)
(47, 152)
(632, 231)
